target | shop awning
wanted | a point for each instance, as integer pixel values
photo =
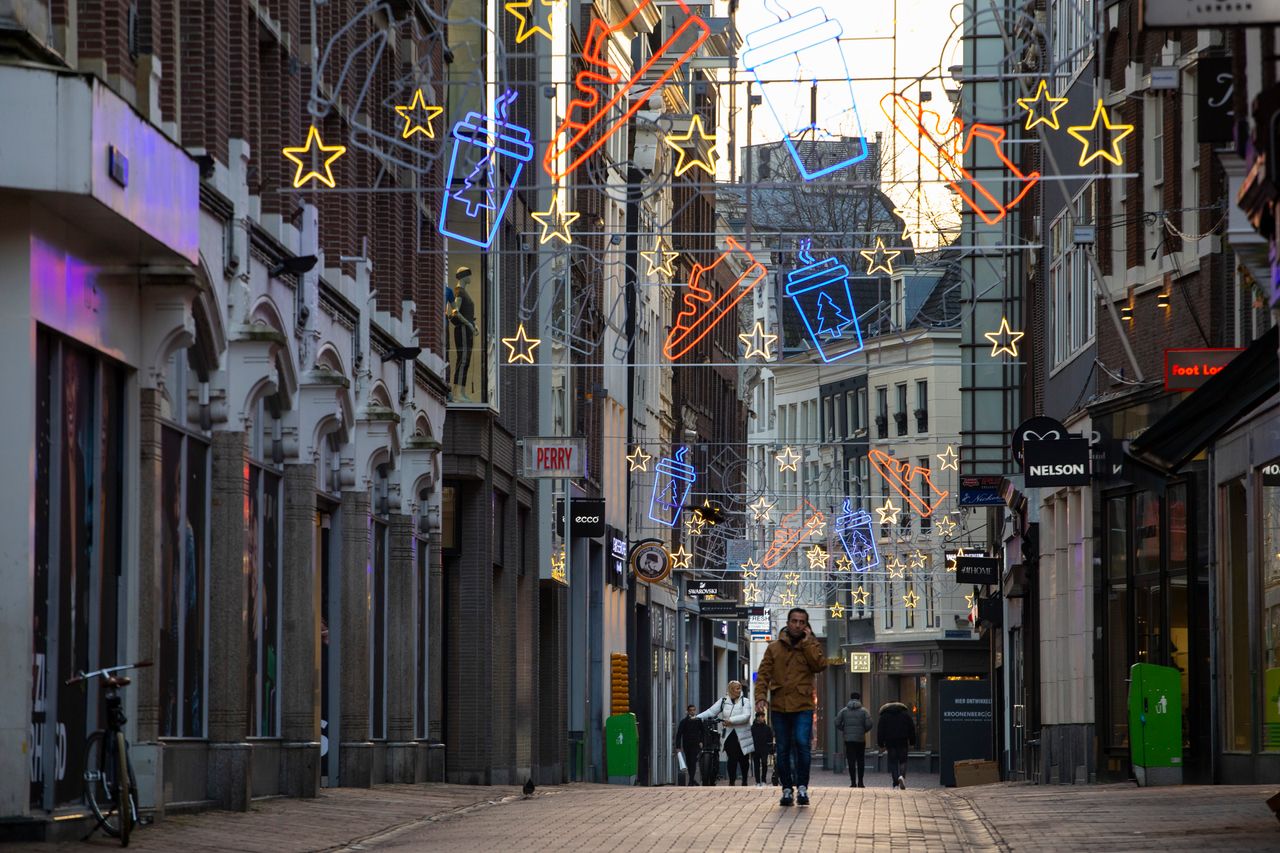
(1212, 409)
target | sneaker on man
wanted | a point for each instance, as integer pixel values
(759, 784)
(802, 797)
(902, 782)
(787, 798)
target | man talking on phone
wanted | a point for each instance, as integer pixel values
(785, 685)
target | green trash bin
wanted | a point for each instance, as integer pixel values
(1155, 724)
(621, 748)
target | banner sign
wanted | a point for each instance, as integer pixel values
(1186, 14)
(588, 518)
(981, 491)
(979, 570)
(1188, 369)
(1215, 118)
(558, 457)
(1064, 462)
(964, 713)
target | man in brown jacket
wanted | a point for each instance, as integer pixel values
(787, 671)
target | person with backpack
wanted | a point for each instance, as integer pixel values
(733, 711)
(854, 721)
(895, 731)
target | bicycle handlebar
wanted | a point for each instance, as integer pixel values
(85, 676)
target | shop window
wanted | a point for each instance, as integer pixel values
(379, 530)
(1270, 622)
(422, 576)
(1179, 600)
(263, 561)
(1234, 583)
(1117, 623)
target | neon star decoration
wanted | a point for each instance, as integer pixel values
(1004, 339)
(792, 578)
(1043, 108)
(638, 459)
(879, 258)
(671, 486)
(307, 170)
(857, 538)
(680, 558)
(860, 596)
(944, 145)
(901, 475)
(970, 599)
(844, 564)
(837, 611)
(526, 11)
(760, 510)
(1116, 132)
(946, 526)
(750, 568)
(949, 459)
(751, 593)
(417, 105)
(817, 556)
(796, 526)
(520, 347)
(476, 199)
(555, 222)
(787, 459)
(703, 307)
(588, 123)
(888, 512)
(660, 260)
(758, 342)
(687, 148)
(693, 524)
(787, 599)
(896, 567)
(918, 559)
(911, 599)
(822, 298)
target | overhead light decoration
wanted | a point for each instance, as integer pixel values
(817, 556)
(796, 526)
(751, 593)
(888, 512)
(486, 141)
(687, 149)
(793, 51)
(946, 526)
(760, 510)
(843, 563)
(638, 459)
(671, 487)
(1111, 150)
(680, 558)
(555, 222)
(750, 568)
(520, 346)
(307, 170)
(896, 567)
(787, 459)
(837, 611)
(960, 552)
(918, 559)
(418, 104)
(587, 122)
(757, 342)
(1004, 339)
(944, 146)
(820, 292)
(787, 599)
(526, 12)
(857, 538)
(792, 578)
(1042, 108)
(860, 596)
(694, 523)
(703, 307)
(949, 459)
(879, 259)
(970, 600)
(660, 260)
(911, 599)
(904, 478)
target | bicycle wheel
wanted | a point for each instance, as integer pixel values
(124, 789)
(101, 768)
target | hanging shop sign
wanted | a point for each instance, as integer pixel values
(650, 561)
(1271, 474)
(728, 610)
(1057, 463)
(1215, 85)
(859, 661)
(983, 490)
(1179, 14)
(555, 457)
(1188, 369)
(979, 569)
(1038, 428)
(704, 590)
(588, 518)
(1106, 455)
(758, 624)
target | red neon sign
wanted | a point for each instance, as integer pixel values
(703, 309)
(631, 95)
(943, 146)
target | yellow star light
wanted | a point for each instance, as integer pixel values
(693, 522)
(792, 578)
(750, 568)
(660, 260)
(760, 510)
(758, 342)
(860, 596)
(999, 344)
(844, 564)
(557, 566)
(945, 526)
(407, 112)
(879, 258)
(788, 599)
(816, 524)
(688, 153)
(896, 567)
(1120, 131)
(638, 459)
(888, 513)
(949, 459)
(906, 228)
(526, 12)
(1043, 108)
(751, 593)
(521, 346)
(817, 557)
(680, 558)
(910, 599)
(970, 599)
(787, 459)
(837, 611)
(918, 559)
(951, 563)
(555, 222)
(307, 171)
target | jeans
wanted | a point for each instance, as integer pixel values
(897, 756)
(792, 732)
(738, 759)
(760, 763)
(856, 753)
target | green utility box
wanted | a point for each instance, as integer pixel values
(621, 749)
(1155, 724)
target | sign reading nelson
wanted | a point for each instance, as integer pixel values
(1060, 462)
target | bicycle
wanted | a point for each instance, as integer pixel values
(110, 788)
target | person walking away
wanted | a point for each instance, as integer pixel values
(762, 739)
(785, 683)
(895, 731)
(854, 721)
(689, 742)
(733, 711)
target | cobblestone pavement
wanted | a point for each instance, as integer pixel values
(458, 819)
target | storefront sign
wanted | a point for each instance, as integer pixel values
(1189, 14)
(650, 561)
(974, 569)
(703, 589)
(1106, 455)
(1271, 474)
(588, 518)
(555, 458)
(758, 624)
(1188, 369)
(618, 554)
(1215, 84)
(859, 661)
(1038, 428)
(981, 491)
(964, 709)
(1064, 462)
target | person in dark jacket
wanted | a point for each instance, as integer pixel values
(855, 721)
(895, 731)
(762, 737)
(689, 741)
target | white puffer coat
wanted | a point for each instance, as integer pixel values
(733, 717)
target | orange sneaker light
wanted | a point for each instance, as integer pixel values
(794, 528)
(703, 309)
(900, 474)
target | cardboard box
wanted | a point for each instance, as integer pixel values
(976, 771)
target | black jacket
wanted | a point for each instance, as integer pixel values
(895, 728)
(689, 734)
(762, 737)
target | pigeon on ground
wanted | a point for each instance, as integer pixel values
(528, 788)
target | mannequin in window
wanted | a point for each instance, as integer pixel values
(461, 311)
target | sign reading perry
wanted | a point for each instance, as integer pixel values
(555, 457)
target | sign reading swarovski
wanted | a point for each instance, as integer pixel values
(1064, 462)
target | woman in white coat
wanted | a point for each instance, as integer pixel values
(734, 712)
